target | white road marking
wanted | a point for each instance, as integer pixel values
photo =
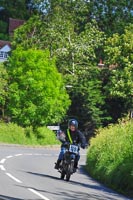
(46, 154)
(37, 154)
(38, 194)
(2, 168)
(18, 155)
(2, 161)
(28, 154)
(17, 180)
(12, 177)
(9, 157)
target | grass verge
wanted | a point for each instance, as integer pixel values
(13, 134)
(110, 157)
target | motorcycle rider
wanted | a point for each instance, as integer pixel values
(71, 135)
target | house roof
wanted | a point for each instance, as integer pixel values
(14, 23)
(3, 43)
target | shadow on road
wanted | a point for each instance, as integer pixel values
(70, 182)
(2, 197)
(97, 191)
(44, 175)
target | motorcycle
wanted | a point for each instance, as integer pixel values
(66, 167)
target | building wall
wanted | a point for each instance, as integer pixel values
(4, 51)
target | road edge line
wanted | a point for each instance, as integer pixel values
(38, 194)
(12, 177)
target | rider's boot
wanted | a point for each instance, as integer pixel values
(57, 164)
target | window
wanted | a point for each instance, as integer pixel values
(3, 54)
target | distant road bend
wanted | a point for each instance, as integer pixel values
(29, 174)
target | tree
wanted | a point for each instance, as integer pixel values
(112, 16)
(14, 9)
(119, 83)
(3, 30)
(76, 55)
(38, 6)
(73, 50)
(87, 99)
(76, 11)
(37, 95)
(3, 90)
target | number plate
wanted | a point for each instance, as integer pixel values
(73, 149)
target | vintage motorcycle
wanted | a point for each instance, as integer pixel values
(66, 167)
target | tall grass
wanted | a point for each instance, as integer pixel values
(13, 134)
(110, 157)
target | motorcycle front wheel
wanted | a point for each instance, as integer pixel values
(62, 175)
(68, 175)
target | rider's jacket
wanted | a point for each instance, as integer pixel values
(75, 137)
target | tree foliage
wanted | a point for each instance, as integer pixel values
(36, 91)
(76, 58)
(3, 89)
(14, 9)
(87, 99)
(80, 33)
(112, 16)
(3, 30)
(119, 60)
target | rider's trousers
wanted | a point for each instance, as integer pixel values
(63, 150)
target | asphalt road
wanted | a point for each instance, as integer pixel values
(28, 173)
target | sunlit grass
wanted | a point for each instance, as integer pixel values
(13, 134)
(110, 156)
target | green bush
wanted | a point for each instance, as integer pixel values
(36, 93)
(14, 134)
(11, 133)
(110, 157)
(45, 136)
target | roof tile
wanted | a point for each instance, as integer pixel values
(14, 23)
(3, 43)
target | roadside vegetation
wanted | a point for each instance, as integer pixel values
(71, 59)
(13, 134)
(84, 44)
(110, 157)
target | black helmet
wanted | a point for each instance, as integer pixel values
(73, 122)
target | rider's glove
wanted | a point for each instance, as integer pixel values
(65, 144)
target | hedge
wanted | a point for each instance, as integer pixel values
(110, 157)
